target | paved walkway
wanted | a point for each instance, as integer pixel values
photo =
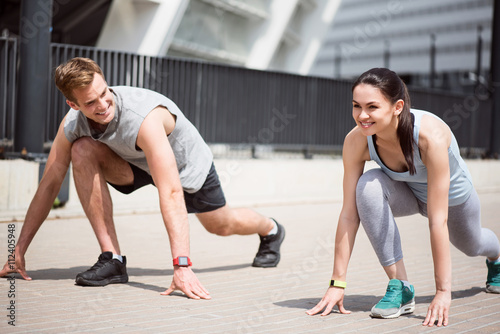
(245, 299)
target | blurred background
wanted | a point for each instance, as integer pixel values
(268, 85)
(331, 38)
(254, 76)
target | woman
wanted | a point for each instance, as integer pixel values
(421, 171)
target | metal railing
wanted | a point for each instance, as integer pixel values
(468, 116)
(234, 105)
(227, 104)
(8, 71)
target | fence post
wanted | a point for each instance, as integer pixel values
(433, 61)
(387, 54)
(494, 145)
(36, 21)
(479, 54)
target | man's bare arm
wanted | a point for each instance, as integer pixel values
(153, 140)
(50, 184)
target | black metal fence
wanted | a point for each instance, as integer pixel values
(228, 104)
(468, 116)
(235, 105)
(8, 71)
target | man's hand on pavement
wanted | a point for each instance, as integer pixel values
(15, 265)
(186, 281)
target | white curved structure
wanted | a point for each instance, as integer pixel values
(283, 35)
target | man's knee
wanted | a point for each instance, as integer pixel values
(219, 228)
(217, 224)
(84, 150)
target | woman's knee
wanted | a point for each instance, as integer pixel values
(471, 245)
(370, 186)
(469, 250)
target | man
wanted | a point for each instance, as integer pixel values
(130, 137)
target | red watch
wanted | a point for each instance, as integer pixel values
(182, 261)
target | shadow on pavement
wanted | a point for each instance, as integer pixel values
(363, 303)
(70, 273)
(354, 303)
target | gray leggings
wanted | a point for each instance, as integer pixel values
(377, 218)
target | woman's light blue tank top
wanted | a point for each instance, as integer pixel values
(460, 178)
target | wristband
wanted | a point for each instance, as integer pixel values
(182, 261)
(338, 284)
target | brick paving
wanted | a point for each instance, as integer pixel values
(244, 299)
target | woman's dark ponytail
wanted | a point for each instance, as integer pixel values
(394, 89)
(405, 131)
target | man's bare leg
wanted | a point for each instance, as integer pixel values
(93, 163)
(227, 221)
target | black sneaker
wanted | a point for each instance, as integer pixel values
(269, 249)
(106, 271)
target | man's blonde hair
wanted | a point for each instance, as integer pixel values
(75, 73)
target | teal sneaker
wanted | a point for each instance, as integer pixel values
(493, 280)
(398, 300)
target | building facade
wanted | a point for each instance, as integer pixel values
(443, 44)
(282, 35)
(447, 40)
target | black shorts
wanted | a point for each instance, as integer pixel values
(210, 197)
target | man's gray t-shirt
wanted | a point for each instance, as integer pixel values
(132, 105)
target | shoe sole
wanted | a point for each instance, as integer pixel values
(267, 265)
(112, 280)
(492, 289)
(405, 309)
(275, 263)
